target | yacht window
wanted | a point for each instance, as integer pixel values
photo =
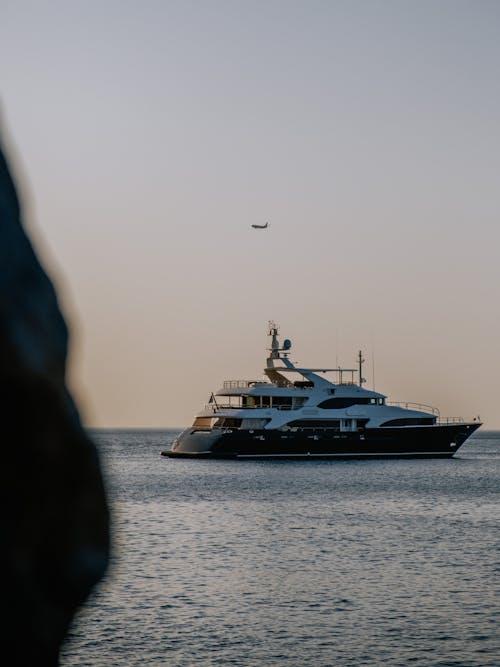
(203, 423)
(344, 402)
(228, 422)
(228, 401)
(282, 401)
(250, 402)
(315, 423)
(256, 401)
(410, 421)
(250, 424)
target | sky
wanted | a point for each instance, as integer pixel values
(147, 137)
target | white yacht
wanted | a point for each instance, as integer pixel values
(298, 413)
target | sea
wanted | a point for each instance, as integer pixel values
(317, 563)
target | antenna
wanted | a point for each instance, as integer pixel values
(275, 346)
(373, 365)
(361, 361)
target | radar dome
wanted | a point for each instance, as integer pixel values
(287, 344)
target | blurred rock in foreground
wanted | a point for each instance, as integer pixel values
(53, 512)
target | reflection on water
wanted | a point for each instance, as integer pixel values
(297, 563)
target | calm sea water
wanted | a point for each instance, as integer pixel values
(344, 563)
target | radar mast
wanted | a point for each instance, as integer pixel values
(275, 346)
(361, 361)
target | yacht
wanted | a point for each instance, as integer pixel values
(298, 413)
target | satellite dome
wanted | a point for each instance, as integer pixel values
(287, 344)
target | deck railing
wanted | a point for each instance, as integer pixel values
(414, 406)
(450, 420)
(231, 406)
(241, 384)
(218, 406)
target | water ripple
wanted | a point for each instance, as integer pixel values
(295, 563)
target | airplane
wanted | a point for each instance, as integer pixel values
(261, 226)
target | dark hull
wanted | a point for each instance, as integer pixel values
(439, 441)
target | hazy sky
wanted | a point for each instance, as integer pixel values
(150, 136)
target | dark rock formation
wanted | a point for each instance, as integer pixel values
(53, 512)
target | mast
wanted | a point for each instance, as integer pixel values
(275, 346)
(361, 361)
(278, 352)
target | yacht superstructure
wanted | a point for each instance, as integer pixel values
(296, 412)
